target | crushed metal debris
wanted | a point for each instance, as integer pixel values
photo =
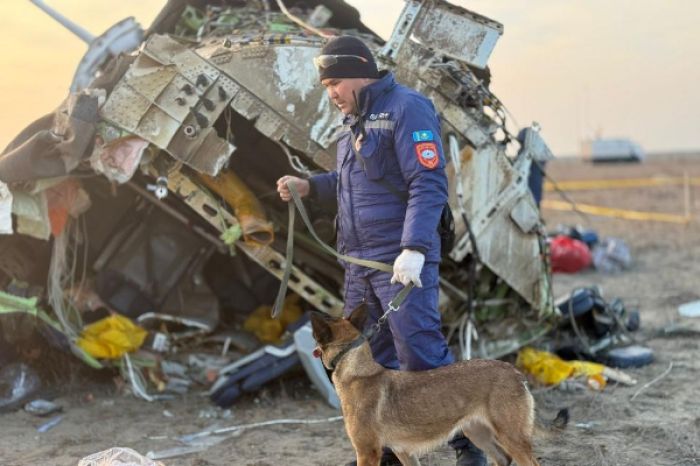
(151, 188)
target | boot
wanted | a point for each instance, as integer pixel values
(388, 459)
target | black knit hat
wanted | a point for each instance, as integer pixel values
(353, 59)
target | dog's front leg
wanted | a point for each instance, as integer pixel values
(364, 439)
(369, 456)
(407, 459)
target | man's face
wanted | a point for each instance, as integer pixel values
(340, 92)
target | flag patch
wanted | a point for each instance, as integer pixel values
(427, 153)
(424, 135)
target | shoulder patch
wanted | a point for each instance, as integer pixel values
(427, 153)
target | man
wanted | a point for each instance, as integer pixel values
(391, 187)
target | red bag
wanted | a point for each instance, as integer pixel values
(569, 255)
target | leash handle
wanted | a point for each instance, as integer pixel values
(287, 271)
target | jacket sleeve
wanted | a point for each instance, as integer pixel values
(419, 151)
(323, 187)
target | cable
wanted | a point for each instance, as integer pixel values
(136, 379)
(294, 161)
(223, 430)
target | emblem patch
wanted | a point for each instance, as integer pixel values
(427, 153)
(424, 135)
(379, 116)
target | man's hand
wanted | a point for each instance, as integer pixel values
(303, 187)
(407, 268)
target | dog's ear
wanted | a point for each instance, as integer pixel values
(358, 317)
(321, 329)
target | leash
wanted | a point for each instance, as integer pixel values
(394, 304)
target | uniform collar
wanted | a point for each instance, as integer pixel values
(371, 93)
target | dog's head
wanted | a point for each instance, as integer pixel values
(334, 333)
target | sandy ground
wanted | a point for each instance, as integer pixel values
(660, 426)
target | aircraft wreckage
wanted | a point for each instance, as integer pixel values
(150, 191)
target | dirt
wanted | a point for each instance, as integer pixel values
(656, 422)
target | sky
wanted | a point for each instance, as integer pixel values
(615, 68)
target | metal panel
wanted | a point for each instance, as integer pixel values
(289, 104)
(124, 107)
(457, 32)
(157, 127)
(171, 97)
(509, 248)
(462, 121)
(526, 215)
(402, 29)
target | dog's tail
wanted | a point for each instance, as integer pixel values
(548, 429)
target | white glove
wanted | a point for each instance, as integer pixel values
(407, 267)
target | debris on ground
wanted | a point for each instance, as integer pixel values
(569, 255)
(18, 383)
(50, 424)
(611, 255)
(118, 456)
(42, 408)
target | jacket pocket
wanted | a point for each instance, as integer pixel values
(381, 214)
(373, 155)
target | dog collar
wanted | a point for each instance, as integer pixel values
(354, 344)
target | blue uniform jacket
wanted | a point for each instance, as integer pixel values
(402, 147)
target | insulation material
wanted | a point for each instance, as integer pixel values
(119, 159)
(32, 213)
(33, 157)
(247, 208)
(64, 200)
(5, 210)
(55, 144)
(76, 123)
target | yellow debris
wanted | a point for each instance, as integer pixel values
(550, 369)
(269, 330)
(111, 337)
(247, 208)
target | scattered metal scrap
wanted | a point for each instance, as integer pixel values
(219, 101)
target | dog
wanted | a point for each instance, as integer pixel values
(414, 412)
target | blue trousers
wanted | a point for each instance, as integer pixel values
(413, 339)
